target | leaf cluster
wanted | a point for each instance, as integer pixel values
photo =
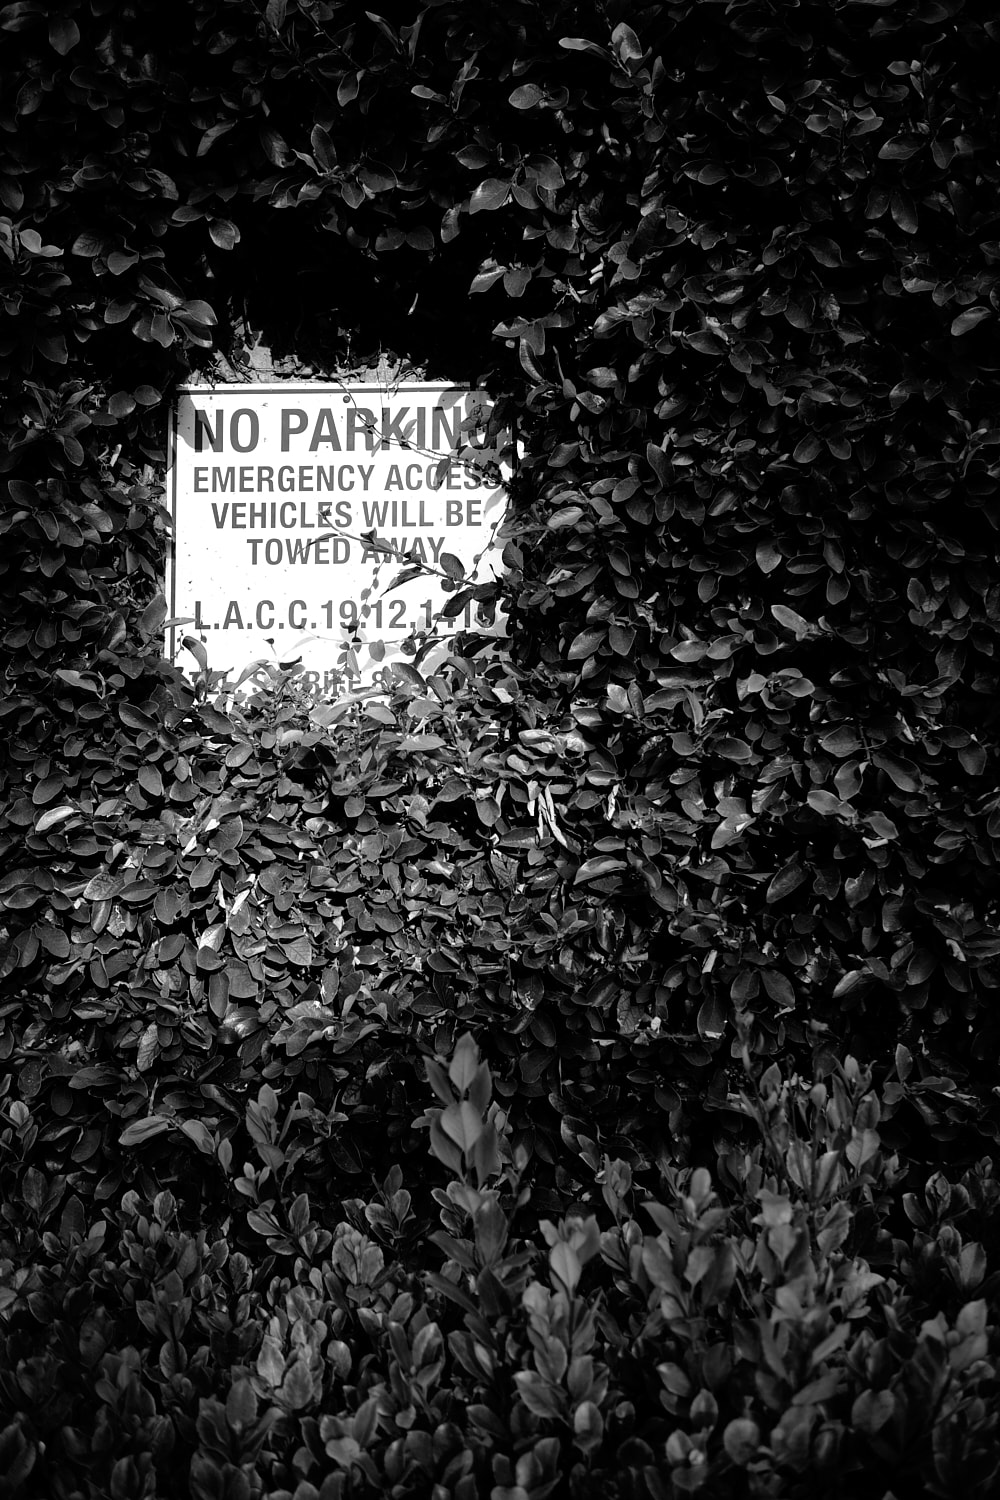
(756, 1331)
(727, 795)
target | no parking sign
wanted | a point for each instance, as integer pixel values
(316, 521)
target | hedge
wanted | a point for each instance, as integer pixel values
(724, 803)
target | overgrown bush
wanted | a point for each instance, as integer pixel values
(760, 1331)
(723, 806)
(739, 765)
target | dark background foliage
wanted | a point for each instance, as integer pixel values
(729, 796)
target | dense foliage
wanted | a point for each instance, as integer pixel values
(354, 1360)
(728, 797)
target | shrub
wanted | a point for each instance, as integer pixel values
(756, 1330)
(630, 893)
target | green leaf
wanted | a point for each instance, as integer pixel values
(903, 211)
(224, 233)
(872, 1410)
(580, 44)
(79, 680)
(593, 869)
(792, 621)
(144, 1129)
(711, 1020)
(973, 759)
(33, 1188)
(20, 15)
(689, 651)
(197, 649)
(569, 515)
(704, 341)
(214, 133)
(462, 1123)
(841, 741)
(149, 1047)
(659, 463)
(779, 987)
(64, 34)
(491, 194)
(970, 318)
(47, 789)
(150, 780)
(138, 893)
(53, 817)
(586, 643)
(297, 1388)
(198, 312)
(483, 280)
(627, 44)
(474, 158)
(621, 639)
(527, 96)
(406, 673)
(903, 773)
(87, 244)
(134, 718)
(825, 802)
(901, 148)
(32, 242)
(546, 172)
(120, 311)
(152, 618)
(741, 1440)
(121, 404)
(271, 1361)
(463, 1069)
(786, 880)
(241, 1406)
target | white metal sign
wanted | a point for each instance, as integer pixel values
(317, 522)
